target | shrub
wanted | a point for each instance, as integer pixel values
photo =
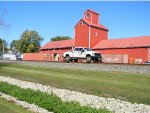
(48, 101)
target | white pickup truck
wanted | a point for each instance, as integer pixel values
(82, 53)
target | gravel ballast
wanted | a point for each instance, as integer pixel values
(111, 104)
(99, 67)
(32, 107)
(140, 69)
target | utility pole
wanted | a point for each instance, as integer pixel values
(3, 47)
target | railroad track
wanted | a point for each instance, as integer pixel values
(124, 64)
(130, 68)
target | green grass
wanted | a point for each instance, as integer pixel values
(10, 107)
(48, 101)
(125, 86)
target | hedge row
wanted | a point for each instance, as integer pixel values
(48, 101)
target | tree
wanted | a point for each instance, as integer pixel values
(57, 38)
(14, 45)
(5, 45)
(30, 41)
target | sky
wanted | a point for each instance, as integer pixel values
(53, 18)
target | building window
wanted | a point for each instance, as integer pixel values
(95, 33)
(87, 15)
(82, 23)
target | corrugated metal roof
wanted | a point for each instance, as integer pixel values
(142, 41)
(58, 44)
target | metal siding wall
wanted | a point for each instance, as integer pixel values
(33, 56)
(81, 35)
(95, 19)
(101, 35)
(149, 54)
(46, 55)
(133, 53)
(42, 57)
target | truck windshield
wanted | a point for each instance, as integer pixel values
(88, 49)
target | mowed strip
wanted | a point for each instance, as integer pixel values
(10, 107)
(124, 86)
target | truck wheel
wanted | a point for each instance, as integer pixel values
(67, 58)
(88, 59)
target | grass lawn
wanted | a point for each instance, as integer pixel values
(120, 85)
(9, 107)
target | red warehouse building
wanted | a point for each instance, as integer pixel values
(90, 33)
(136, 49)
